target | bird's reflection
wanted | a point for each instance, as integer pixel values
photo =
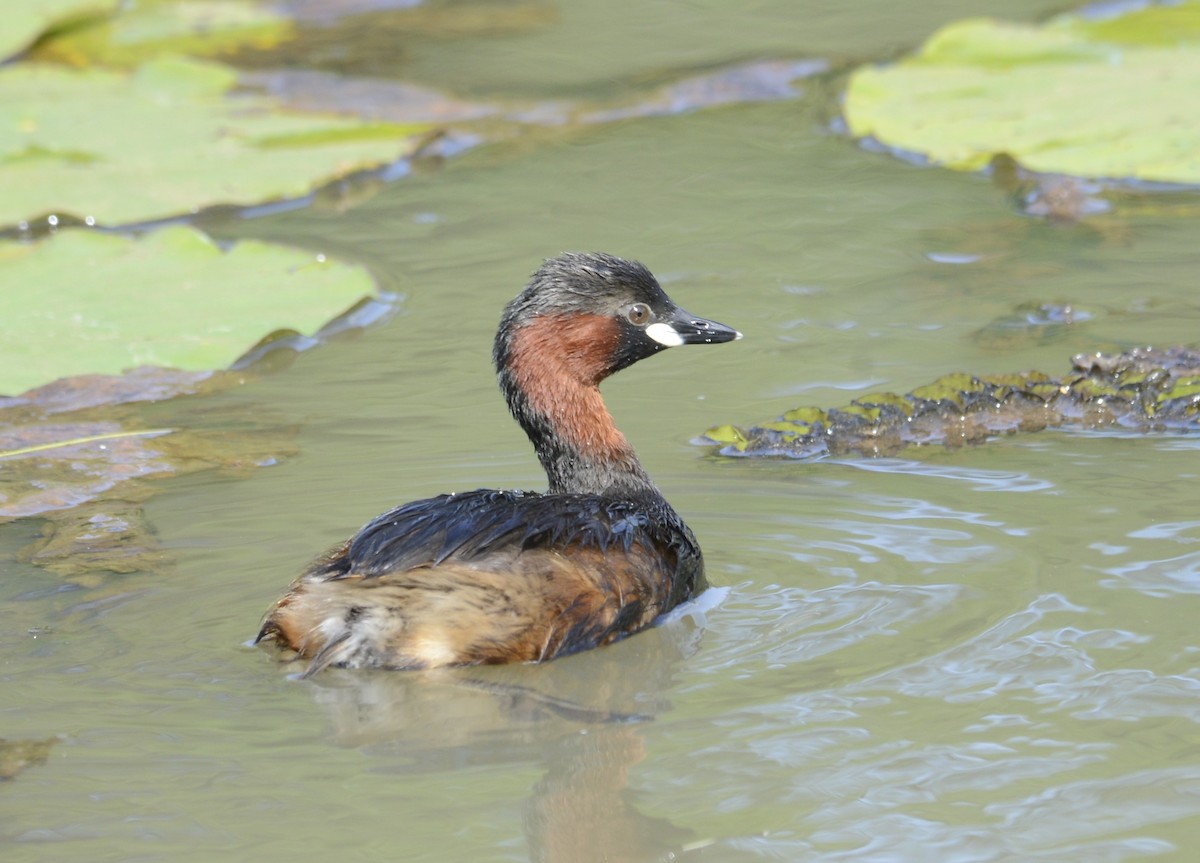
(581, 718)
(581, 808)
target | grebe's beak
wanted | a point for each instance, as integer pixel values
(684, 328)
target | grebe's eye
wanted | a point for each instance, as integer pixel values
(638, 314)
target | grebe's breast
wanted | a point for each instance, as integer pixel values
(490, 577)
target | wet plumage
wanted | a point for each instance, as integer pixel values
(509, 576)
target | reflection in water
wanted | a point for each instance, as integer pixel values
(577, 718)
(581, 810)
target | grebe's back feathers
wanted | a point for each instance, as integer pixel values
(469, 526)
(490, 576)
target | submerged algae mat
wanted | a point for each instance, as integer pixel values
(17, 755)
(79, 454)
(1145, 389)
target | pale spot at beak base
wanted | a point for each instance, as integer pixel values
(664, 334)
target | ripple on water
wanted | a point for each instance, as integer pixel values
(1173, 530)
(1158, 578)
(856, 797)
(1015, 654)
(871, 542)
(894, 837)
(785, 626)
(978, 479)
(907, 530)
(1143, 566)
(1126, 694)
(1070, 816)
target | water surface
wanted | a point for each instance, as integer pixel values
(976, 655)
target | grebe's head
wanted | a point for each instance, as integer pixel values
(599, 314)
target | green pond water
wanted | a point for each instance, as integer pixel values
(987, 654)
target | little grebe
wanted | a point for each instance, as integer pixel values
(485, 577)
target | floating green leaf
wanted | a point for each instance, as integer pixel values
(1108, 98)
(82, 301)
(22, 23)
(724, 434)
(165, 140)
(150, 28)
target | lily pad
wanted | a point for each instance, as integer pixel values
(86, 302)
(22, 23)
(1112, 98)
(150, 28)
(165, 140)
